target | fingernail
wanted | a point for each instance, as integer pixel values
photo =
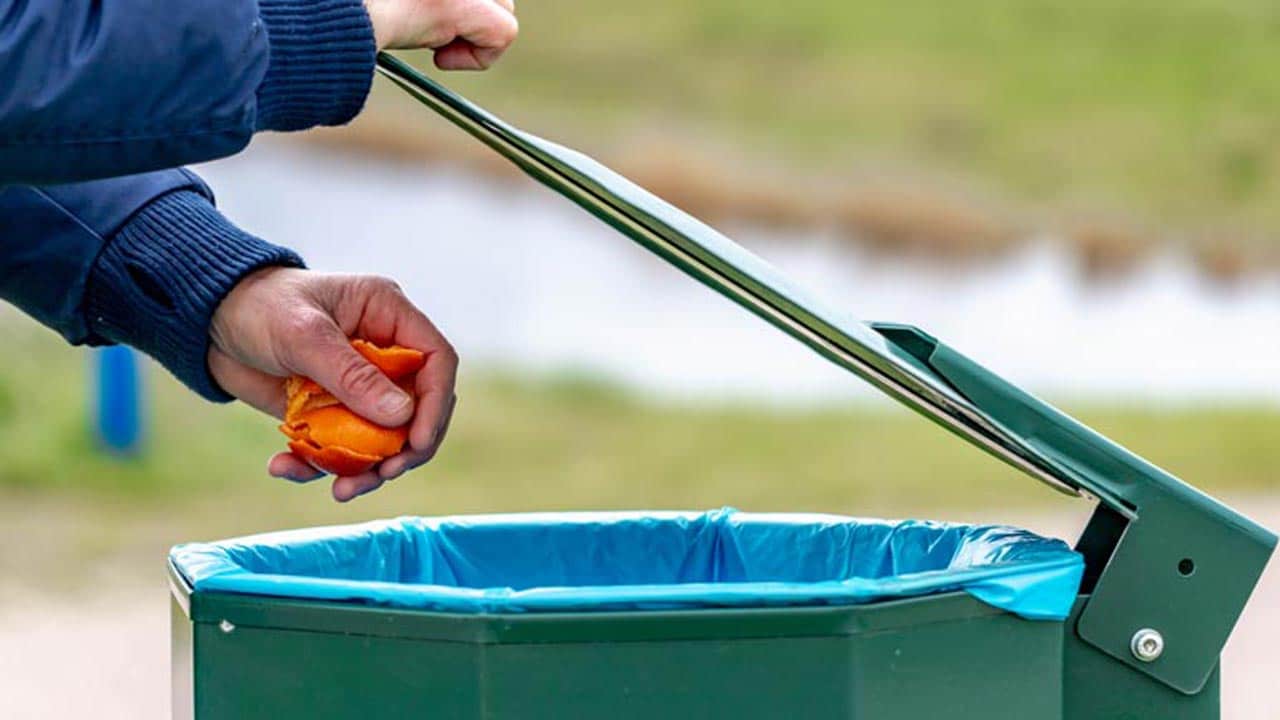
(393, 402)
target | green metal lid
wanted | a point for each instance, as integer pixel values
(903, 362)
(1154, 524)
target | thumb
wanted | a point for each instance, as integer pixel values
(324, 354)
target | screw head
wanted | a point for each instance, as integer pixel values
(1147, 645)
(226, 626)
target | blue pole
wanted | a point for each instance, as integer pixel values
(118, 422)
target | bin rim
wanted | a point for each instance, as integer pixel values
(1006, 567)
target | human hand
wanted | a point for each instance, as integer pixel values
(464, 34)
(279, 321)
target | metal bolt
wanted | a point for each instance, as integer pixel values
(226, 626)
(1147, 644)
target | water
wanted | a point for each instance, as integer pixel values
(516, 276)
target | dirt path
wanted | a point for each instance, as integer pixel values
(107, 657)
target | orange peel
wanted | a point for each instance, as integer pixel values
(395, 362)
(331, 437)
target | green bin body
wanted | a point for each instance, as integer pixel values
(261, 653)
(903, 659)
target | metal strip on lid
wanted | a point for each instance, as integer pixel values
(725, 266)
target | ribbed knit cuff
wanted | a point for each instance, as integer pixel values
(322, 59)
(159, 279)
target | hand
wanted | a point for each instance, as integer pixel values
(278, 322)
(465, 34)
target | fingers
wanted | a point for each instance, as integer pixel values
(262, 391)
(322, 352)
(434, 384)
(290, 467)
(462, 55)
(435, 389)
(487, 24)
(397, 465)
(348, 488)
(390, 317)
(484, 31)
(294, 469)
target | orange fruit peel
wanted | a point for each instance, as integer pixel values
(339, 461)
(331, 437)
(395, 362)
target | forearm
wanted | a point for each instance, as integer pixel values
(142, 261)
(106, 89)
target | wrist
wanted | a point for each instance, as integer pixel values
(159, 279)
(378, 19)
(225, 326)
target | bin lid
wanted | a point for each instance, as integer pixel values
(904, 362)
(591, 562)
(1195, 613)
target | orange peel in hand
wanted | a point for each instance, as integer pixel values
(331, 437)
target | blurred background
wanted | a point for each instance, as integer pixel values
(1084, 196)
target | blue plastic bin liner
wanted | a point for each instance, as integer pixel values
(586, 562)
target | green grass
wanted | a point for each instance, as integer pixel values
(1168, 111)
(517, 444)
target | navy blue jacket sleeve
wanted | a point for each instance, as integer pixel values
(101, 89)
(142, 260)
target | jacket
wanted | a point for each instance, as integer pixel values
(98, 240)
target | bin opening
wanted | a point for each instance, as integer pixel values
(583, 562)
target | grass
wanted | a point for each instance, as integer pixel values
(516, 444)
(1148, 114)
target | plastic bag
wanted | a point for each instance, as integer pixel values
(586, 562)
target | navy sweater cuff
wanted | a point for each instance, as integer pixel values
(321, 67)
(161, 276)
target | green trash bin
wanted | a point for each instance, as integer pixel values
(987, 624)
(625, 615)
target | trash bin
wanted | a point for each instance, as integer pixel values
(735, 616)
(626, 615)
